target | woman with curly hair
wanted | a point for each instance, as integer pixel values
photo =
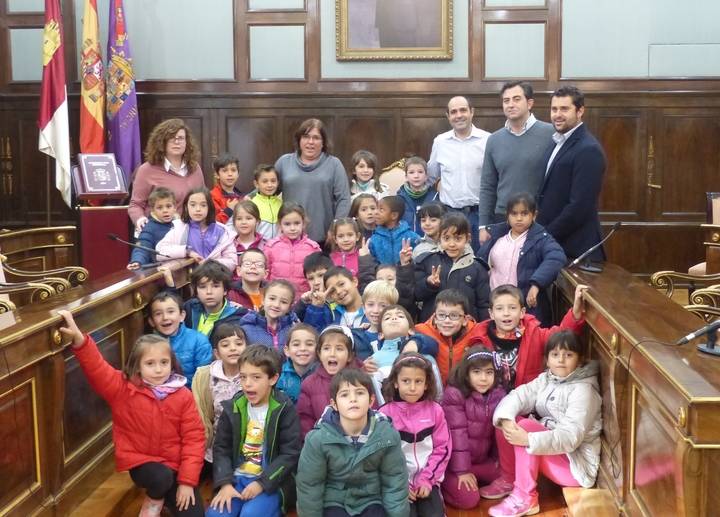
(171, 161)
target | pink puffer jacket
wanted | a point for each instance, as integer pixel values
(285, 260)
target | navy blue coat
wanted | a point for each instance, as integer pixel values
(468, 275)
(412, 206)
(541, 259)
(568, 197)
(151, 234)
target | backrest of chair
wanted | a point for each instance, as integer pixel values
(713, 207)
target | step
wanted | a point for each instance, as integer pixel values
(590, 502)
(111, 498)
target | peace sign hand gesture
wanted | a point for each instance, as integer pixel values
(434, 278)
(405, 253)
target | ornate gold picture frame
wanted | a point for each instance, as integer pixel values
(393, 30)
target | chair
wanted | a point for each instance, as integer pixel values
(712, 210)
(394, 175)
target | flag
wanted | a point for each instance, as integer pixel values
(54, 139)
(92, 86)
(122, 115)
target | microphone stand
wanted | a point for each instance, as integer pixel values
(709, 347)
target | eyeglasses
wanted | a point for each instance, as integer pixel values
(249, 264)
(312, 138)
(453, 316)
(178, 138)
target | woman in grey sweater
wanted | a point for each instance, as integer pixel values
(315, 179)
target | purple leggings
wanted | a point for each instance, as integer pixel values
(463, 498)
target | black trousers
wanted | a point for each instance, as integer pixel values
(430, 506)
(160, 482)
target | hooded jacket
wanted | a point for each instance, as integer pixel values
(146, 429)
(285, 260)
(281, 446)
(255, 326)
(335, 472)
(466, 274)
(231, 313)
(314, 398)
(424, 438)
(412, 206)
(192, 350)
(152, 233)
(570, 408)
(530, 361)
(386, 243)
(471, 426)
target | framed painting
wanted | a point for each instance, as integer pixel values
(393, 30)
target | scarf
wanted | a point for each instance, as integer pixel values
(414, 194)
(204, 242)
(171, 385)
(507, 346)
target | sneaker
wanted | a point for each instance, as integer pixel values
(515, 506)
(496, 490)
(151, 507)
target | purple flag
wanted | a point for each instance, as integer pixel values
(123, 125)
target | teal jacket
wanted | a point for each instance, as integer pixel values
(281, 447)
(334, 472)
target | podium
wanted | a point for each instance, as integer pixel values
(98, 254)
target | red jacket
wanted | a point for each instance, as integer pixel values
(146, 429)
(531, 361)
(220, 199)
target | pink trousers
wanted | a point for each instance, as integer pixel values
(463, 498)
(555, 467)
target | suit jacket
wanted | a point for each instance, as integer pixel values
(568, 197)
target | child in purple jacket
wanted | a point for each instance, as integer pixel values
(469, 402)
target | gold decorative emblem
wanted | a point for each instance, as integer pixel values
(681, 417)
(51, 40)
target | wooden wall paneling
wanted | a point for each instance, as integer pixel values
(291, 122)
(688, 161)
(375, 134)
(251, 139)
(417, 133)
(622, 133)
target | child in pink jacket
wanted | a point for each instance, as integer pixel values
(196, 235)
(286, 252)
(424, 434)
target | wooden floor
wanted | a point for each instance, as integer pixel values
(118, 497)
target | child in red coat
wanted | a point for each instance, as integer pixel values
(157, 430)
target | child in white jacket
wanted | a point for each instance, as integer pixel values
(561, 435)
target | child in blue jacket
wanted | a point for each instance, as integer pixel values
(391, 234)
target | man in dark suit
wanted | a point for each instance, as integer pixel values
(575, 165)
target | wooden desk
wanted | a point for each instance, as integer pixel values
(55, 432)
(711, 232)
(661, 404)
(38, 249)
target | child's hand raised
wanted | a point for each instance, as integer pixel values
(434, 278)
(364, 249)
(405, 253)
(224, 498)
(71, 329)
(531, 298)
(579, 301)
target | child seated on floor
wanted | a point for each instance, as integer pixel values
(301, 359)
(220, 380)
(352, 462)
(553, 425)
(334, 351)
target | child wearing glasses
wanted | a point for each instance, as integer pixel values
(454, 267)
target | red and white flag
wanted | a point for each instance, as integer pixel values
(53, 117)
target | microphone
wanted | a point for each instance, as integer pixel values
(707, 329)
(588, 252)
(114, 237)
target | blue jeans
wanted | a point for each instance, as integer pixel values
(264, 504)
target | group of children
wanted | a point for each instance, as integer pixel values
(313, 388)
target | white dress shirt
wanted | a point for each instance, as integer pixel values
(458, 163)
(559, 139)
(182, 171)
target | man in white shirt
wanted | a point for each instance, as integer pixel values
(456, 161)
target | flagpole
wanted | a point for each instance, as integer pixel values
(47, 188)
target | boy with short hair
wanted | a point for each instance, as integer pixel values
(455, 267)
(225, 194)
(415, 191)
(301, 359)
(377, 295)
(452, 326)
(391, 234)
(342, 288)
(257, 443)
(191, 348)
(162, 213)
(210, 282)
(248, 290)
(352, 463)
(315, 266)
